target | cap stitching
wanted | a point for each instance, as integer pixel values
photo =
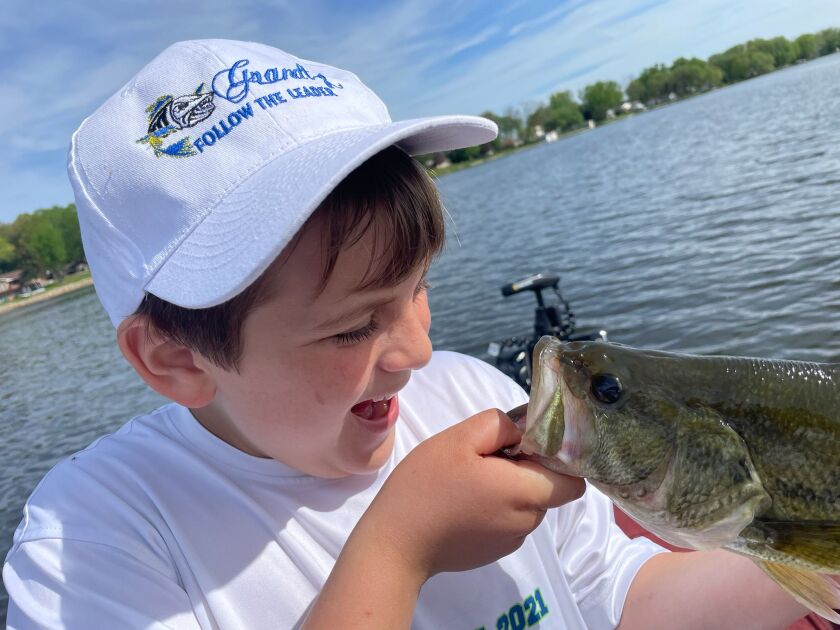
(221, 61)
(183, 234)
(459, 121)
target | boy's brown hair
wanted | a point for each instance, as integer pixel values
(390, 194)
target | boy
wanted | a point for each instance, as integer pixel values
(260, 244)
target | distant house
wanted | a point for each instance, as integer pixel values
(9, 283)
(632, 106)
(30, 289)
(75, 268)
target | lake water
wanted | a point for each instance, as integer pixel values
(709, 226)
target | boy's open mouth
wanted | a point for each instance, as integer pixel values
(377, 415)
(372, 409)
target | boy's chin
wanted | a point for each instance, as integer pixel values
(365, 463)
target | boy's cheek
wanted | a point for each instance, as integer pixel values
(349, 372)
(426, 319)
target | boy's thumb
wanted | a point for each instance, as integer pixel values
(490, 430)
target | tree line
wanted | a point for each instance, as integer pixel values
(655, 85)
(44, 242)
(48, 241)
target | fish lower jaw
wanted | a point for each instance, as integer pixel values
(553, 464)
(531, 449)
(571, 454)
(527, 446)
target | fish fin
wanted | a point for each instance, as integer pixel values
(159, 103)
(815, 542)
(182, 148)
(816, 591)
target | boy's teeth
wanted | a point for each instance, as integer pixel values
(370, 409)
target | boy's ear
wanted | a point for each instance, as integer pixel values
(167, 367)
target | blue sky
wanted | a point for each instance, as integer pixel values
(62, 58)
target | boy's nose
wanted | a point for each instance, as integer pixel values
(408, 345)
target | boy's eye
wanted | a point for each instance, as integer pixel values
(358, 335)
(361, 334)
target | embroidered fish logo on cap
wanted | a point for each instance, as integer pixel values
(168, 114)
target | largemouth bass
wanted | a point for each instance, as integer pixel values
(703, 451)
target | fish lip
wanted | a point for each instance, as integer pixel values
(558, 421)
(575, 364)
(544, 386)
(542, 392)
(570, 370)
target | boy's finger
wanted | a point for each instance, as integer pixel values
(490, 431)
(550, 489)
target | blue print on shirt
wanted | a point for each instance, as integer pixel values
(530, 611)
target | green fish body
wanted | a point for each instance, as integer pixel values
(703, 451)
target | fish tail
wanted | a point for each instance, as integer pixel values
(816, 591)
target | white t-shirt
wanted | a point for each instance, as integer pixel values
(163, 525)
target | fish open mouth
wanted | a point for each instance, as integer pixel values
(559, 424)
(548, 376)
(547, 379)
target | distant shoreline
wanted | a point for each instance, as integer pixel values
(460, 166)
(438, 172)
(47, 295)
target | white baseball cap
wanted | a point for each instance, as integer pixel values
(192, 178)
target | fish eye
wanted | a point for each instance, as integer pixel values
(606, 388)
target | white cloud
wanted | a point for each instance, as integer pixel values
(66, 57)
(482, 37)
(563, 9)
(531, 66)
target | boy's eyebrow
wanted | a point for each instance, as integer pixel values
(365, 307)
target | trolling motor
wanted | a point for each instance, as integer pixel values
(551, 317)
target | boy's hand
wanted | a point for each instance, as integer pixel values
(451, 505)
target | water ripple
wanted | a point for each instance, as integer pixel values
(709, 226)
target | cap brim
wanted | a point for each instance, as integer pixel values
(244, 233)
